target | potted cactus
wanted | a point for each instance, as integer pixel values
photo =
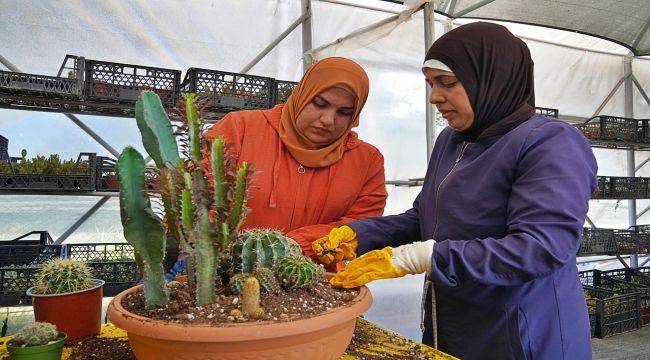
(249, 293)
(66, 295)
(37, 341)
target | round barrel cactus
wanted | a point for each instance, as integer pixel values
(266, 278)
(298, 271)
(259, 248)
(60, 276)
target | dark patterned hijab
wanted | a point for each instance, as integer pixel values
(495, 69)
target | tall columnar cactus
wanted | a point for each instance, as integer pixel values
(59, 276)
(298, 271)
(38, 333)
(203, 210)
(258, 248)
(142, 228)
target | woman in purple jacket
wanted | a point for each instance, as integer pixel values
(497, 225)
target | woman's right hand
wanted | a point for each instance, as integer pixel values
(340, 244)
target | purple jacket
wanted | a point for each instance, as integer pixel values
(507, 213)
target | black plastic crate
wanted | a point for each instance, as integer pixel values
(118, 275)
(621, 129)
(39, 85)
(613, 312)
(629, 187)
(116, 82)
(62, 182)
(614, 283)
(31, 255)
(282, 91)
(14, 282)
(598, 242)
(4, 149)
(547, 111)
(99, 252)
(230, 91)
(630, 242)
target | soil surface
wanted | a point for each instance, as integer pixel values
(286, 305)
(102, 348)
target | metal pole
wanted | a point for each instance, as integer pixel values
(641, 90)
(643, 212)
(360, 6)
(638, 167)
(609, 96)
(275, 42)
(591, 222)
(306, 34)
(82, 220)
(8, 64)
(430, 110)
(631, 169)
(472, 8)
(93, 135)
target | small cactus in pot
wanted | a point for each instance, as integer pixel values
(64, 291)
(60, 276)
(39, 340)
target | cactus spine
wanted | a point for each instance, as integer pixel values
(60, 276)
(38, 333)
(298, 271)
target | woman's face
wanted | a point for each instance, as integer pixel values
(450, 97)
(327, 116)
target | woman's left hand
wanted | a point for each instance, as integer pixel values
(386, 263)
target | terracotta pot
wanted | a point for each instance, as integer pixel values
(325, 336)
(78, 314)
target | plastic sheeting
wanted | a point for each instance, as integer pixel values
(625, 22)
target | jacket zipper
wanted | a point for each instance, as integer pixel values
(428, 284)
(301, 171)
(458, 158)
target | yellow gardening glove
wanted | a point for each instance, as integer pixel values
(340, 244)
(386, 263)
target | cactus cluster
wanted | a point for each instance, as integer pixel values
(259, 248)
(204, 192)
(264, 276)
(60, 276)
(38, 333)
(297, 272)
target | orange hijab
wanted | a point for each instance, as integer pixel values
(324, 74)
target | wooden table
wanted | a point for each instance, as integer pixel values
(370, 342)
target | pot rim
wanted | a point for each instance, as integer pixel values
(96, 283)
(235, 332)
(60, 341)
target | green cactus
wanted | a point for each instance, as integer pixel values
(142, 228)
(60, 276)
(38, 333)
(203, 212)
(265, 276)
(298, 271)
(258, 248)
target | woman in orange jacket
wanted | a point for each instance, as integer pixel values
(313, 173)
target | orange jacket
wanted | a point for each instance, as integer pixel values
(304, 203)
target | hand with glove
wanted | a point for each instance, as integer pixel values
(340, 244)
(386, 263)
